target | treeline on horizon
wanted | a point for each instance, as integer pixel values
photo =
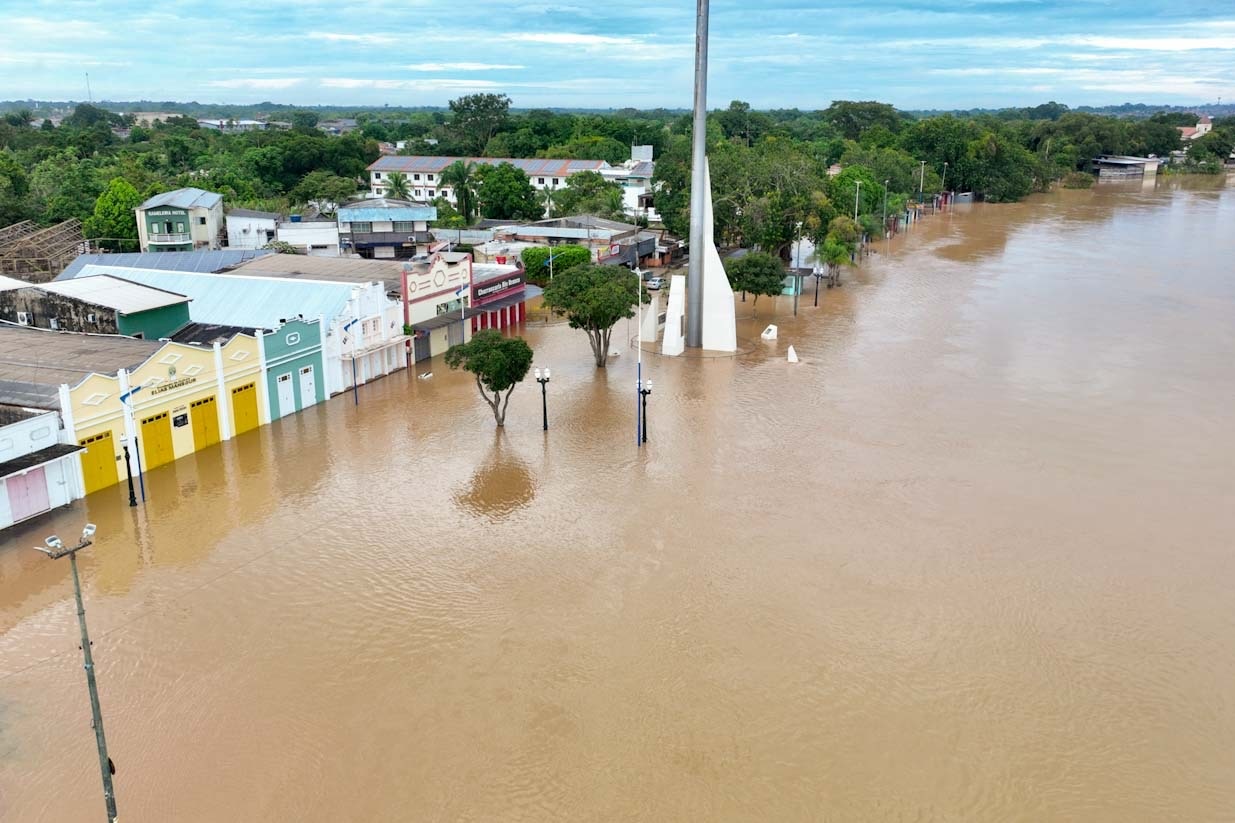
(769, 168)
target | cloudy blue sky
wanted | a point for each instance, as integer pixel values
(582, 53)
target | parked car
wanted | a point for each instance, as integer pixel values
(655, 283)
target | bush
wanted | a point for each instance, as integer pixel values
(1077, 180)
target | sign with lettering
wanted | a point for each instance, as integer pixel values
(498, 286)
(173, 384)
(166, 213)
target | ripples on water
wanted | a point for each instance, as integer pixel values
(969, 560)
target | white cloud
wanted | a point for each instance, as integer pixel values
(256, 83)
(461, 67)
(566, 38)
(363, 39)
(1225, 42)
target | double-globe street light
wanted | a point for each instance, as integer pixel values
(55, 549)
(544, 394)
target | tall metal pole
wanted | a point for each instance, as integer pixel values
(922, 181)
(55, 550)
(109, 793)
(639, 356)
(857, 198)
(694, 276)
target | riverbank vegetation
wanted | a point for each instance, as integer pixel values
(770, 169)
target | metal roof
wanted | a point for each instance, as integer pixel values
(484, 272)
(533, 167)
(45, 455)
(11, 283)
(35, 362)
(249, 302)
(367, 211)
(188, 198)
(124, 296)
(266, 215)
(355, 270)
(168, 260)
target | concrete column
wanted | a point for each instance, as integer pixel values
(263, 387)
(694, 278)
(130, 426)
(224, 402)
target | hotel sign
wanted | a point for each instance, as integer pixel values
(498, 286)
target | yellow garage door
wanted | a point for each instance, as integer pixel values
(156, 441)
(205, 413)
(244, 407)
(98, 462)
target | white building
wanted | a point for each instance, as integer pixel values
(248, 229)
(436, 296)
(635, 178)
(38, 472)
(316, 238)
(229, 125)
(182, 220)
(424, 173)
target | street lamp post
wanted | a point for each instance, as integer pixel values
(857, 196)
(544, 394)
(922, 180)
(55, 549)
(943, 181)
(128, 471)
(818, 275)
(645, 388)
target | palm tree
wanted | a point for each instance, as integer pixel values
(549, 198)
(461, 177)
(396, 186)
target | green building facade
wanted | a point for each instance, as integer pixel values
(154, 324)
(295, 367)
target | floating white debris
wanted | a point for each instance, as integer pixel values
(793, 355)
(769, 333)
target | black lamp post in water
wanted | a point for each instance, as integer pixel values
(128, 470)
(818, 275)
(544, 394)
(645, 388)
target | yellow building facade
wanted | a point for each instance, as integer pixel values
(182, 399)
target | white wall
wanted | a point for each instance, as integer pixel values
(306, 235)
(63, 476)
(249, 232)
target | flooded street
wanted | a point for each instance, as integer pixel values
(970, 560)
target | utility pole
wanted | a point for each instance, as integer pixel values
(885, 208)
(55, 550)
(922, 181)
(857, 197)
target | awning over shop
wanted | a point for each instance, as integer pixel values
(396, 340)
(444, 320)
(38, 458)
(510, 300)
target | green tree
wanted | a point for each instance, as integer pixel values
(460, 176)
(738, 121)
(305, 121)
(14, 188)
(536, 261)
(324, 190)
(499, 364)
(594, 299)
(588, 192)
(757, 273)
(591, 147)
(852, 118)
(834, 254)
(477, 117)
(396, 186)
(114, 221)
(448, 216)
(506, 193)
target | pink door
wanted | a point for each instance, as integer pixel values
(28, 494)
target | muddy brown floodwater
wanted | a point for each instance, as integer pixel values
(970, 560)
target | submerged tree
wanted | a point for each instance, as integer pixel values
(594, 298)
(499, 364)
(758, 273)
